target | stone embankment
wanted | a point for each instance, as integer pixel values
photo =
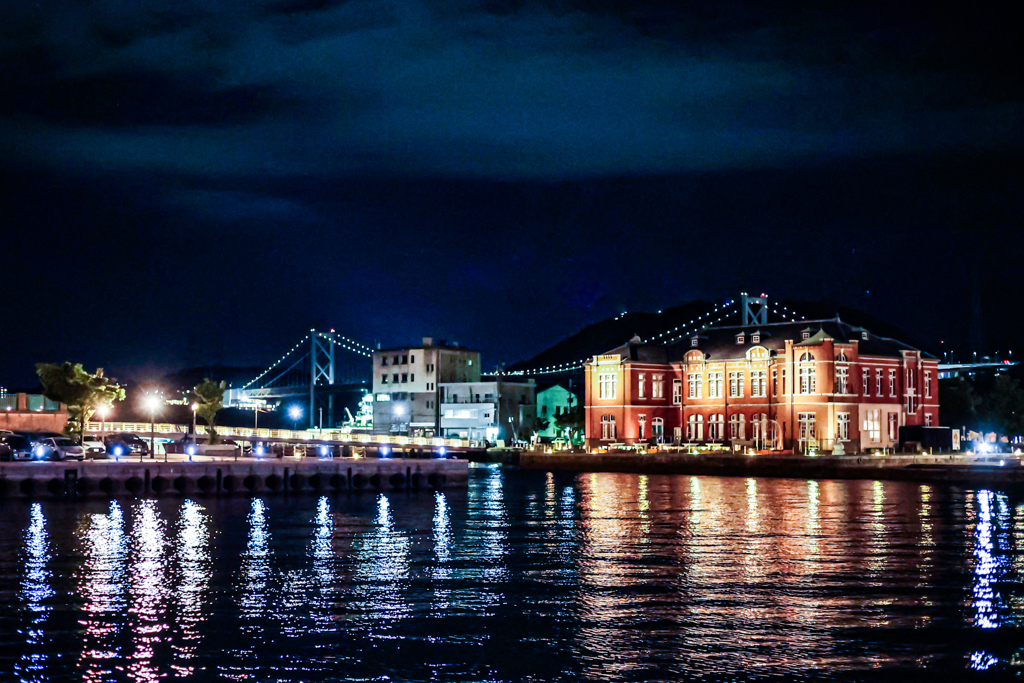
(101, 479)
(925, 468)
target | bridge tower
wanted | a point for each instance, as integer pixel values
(321, 364)
(755, 309)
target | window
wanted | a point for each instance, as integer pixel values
(384, 361)
(894, 426)
(805, 334)
(841, 358)
(842, 380)
(892, 382)
(606, 384)
(430, 386)
(739, 338)
(658, 386)
(543, 410)
(470, 361)
(878, 382)
(873, 425)
(405, 360)
(807, 374)
(641, 423)
(394, 361)
(430, 368)
(755, 339)
(758, 383)
(394, 378)
(866, 381)
(759, 426)
(775, 382)
(735, 384)
(927, 419)
(927, 384)
(405, 377)
(695, 428)
(864, 334)
(696, 386)
(715, 385)
(737, 427)
(384, 378)
(806, 426)
(449, 413)
(607, 427)
(910, 391)
(716, 427)
(641, 378)
(412, 359)
(677, 391)
(658, 428)
(693, 342)
(412, 376)
(842, 426)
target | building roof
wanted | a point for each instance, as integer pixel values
(721, 342)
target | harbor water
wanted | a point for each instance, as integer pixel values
(522, 576)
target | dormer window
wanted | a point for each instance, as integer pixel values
(739, 338)
(755, 339)
(864, 334)
(693, 342)
(805, 334)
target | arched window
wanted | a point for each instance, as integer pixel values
(841, 358)
(608, 427)
(737, 427)
(695, 428)
(808, 383)
(658, 429)
(716, 427)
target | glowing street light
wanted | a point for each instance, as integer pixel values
(294, 414)
(195, 407)
(152, 404)
(103, 411)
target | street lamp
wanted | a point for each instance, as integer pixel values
(195, 407)
(152, 404)
(103, 411)
(294, 413)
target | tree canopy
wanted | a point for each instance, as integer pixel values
(209, 399)
(81, 391)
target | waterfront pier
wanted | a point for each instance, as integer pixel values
(249, 476)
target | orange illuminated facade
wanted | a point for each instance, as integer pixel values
(809, 386)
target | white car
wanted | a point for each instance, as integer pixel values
(57, 448)
(94, 447)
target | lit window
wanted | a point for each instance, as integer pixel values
(864, 334)
(842, 379)
(735, 385)
(384, 379)
(755, 339)
(892, 382)
(693, 342)
(806, 425)
(894, 421)
(715, 383)
(696, 386)
(758, 383)
(658, 386)
(927, 419)
(878, 382)
(873, 425)
(737, 427)
(658, 428)
(677, 391)
(805, 335)
(739, 338)
(866, 381)
(716, 427)
(807, 374)
(695, 428)
(607, 427)
(842, 426)
(606, 384)
(640, 385)
(927, 384)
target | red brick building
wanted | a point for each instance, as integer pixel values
(805, 385)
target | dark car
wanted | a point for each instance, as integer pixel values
(125, 443)
(15, 447)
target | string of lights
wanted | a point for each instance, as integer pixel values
(696, 325)
(546, 370)
(276, 363)
(344, 343)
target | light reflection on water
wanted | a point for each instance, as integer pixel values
(600, 576)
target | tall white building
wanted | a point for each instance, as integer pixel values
(407, 380)
(489, 411)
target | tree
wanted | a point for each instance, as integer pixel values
(1001, 409)
(571, 422)
(82, 392)
(210, 399)
(957, 403)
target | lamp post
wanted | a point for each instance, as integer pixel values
(152, 403)
(195, 407)
(102, 412)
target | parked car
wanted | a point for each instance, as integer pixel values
(59, 448)
(15, 447)
(126, 443)
(94, 447)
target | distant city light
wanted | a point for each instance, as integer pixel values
(294, 412)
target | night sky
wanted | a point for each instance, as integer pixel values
(189, 182)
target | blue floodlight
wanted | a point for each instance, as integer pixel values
(294, 412)
(260, 450)
(442, 452)
(118, 451)
(385, 451)
(323, 451)
(191, 449)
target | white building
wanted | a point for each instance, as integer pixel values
(551, 403)
(492, 411)
(407, 380)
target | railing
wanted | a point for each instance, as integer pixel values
(287, 434)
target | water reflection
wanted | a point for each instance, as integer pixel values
(383, 566)
(321, 551)
(194, 569)
(441, 569)
(35, 590)
(255, 571)
(103, 589)
(149, 588)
